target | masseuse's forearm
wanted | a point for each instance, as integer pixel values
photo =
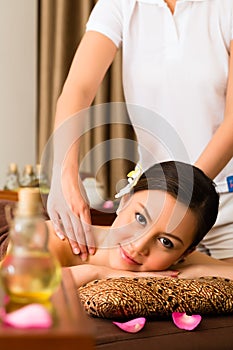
(69, 127)
(219, 151)
(92, 59)
(69, 124)
(73, 99)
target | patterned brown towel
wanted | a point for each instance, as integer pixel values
(152, 297)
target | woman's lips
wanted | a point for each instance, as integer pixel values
(127, 258)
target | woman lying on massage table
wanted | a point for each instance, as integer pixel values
(161, 218)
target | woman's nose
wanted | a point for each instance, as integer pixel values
(141, 245)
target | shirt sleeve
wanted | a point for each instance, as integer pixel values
(231, 11)
(107, 18)
(232, 28)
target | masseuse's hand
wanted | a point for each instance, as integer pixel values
(69, 212)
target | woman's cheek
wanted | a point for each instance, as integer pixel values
(158, 262)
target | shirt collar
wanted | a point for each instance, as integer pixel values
(162, 2)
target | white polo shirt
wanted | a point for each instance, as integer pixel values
(175, 71)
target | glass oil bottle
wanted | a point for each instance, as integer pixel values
(28, 178)
(12, 178)
(29, 272)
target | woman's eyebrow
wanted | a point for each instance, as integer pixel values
(146, 211)
(174, 237)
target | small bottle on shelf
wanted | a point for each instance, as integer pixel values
(29, 272)
(28, 178)
(12, 178)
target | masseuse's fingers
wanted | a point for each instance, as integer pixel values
(76, 235)
(83, 237)
(78, 241)
(57, 224)
(85, 218)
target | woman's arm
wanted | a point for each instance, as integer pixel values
(92, 59)
(85, 273)
(198, 265)
(66, 200)
(219, 151)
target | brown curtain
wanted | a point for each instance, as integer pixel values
(61, 26)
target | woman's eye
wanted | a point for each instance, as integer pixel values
(166, 242)
(141, 219)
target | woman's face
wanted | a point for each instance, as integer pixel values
(151, 232)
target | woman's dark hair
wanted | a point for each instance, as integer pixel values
(190, 186)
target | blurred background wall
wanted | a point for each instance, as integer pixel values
(18, 84)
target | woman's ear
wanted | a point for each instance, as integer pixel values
(123, 202)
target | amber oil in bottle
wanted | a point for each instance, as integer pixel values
(29, 272)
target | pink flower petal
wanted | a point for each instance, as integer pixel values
(108, 204)
(183, 321)
(29, 316)
(132, 326)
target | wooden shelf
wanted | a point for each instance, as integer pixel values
(102, 217)
(72, 327)
(9, 195)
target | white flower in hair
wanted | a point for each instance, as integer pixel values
(133, 177)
